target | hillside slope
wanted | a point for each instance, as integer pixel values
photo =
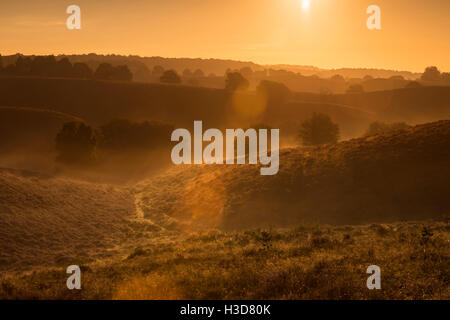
(399, 176)
(30, 129)
(46, 220)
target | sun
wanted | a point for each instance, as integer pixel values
(306, 4)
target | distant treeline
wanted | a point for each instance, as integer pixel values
(49, 66)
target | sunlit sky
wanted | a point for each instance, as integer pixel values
(327, 33)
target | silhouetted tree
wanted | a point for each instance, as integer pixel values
(431, 74)
(378, 127)
(44, 66)
(274, 92)
(76, 142)
(446, 76)
(157, 71)
(64, 68)
(235, 81)
(337, 78)
(317, 130)
(81, 70)
(1, 63)
(122, 73)
(170, 76)
(198, 73)
(104, 71)
(23, 65)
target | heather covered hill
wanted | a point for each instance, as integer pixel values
(46, 220)
(390, 177)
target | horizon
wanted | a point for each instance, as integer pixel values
(263, 32)
(221, 59)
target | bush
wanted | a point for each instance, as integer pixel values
(378, 127)
(76, 142)
(127, 135)
(318, 130)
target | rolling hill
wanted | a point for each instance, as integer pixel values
(398, 176)
(46, 220)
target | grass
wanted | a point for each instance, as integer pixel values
(303, 262)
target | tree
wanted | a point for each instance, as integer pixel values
(318, 130)
(431, 74)
(235, 81)
(23, 65)
(378, 127)
(199, 73)
(157, 71)
(122, 73)
(1, 63)
(446, 76)
(104, 71)
(81, 70)
(76, 142)
(64, 68)
(170, 76)
(274, 92)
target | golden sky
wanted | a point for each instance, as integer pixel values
(330, 34)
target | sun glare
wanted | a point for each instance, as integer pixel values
(306, 4)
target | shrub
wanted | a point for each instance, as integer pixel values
(317, 130)
(126, 135)
(378, 127)
(76, 142)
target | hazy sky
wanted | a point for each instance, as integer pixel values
(332, 33)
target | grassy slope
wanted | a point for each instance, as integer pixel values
(46, 220)
(402, 175)
(305, 262)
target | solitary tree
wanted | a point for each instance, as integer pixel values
(170, 76)
(431, 74)
(317, 130)
(235, 81)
